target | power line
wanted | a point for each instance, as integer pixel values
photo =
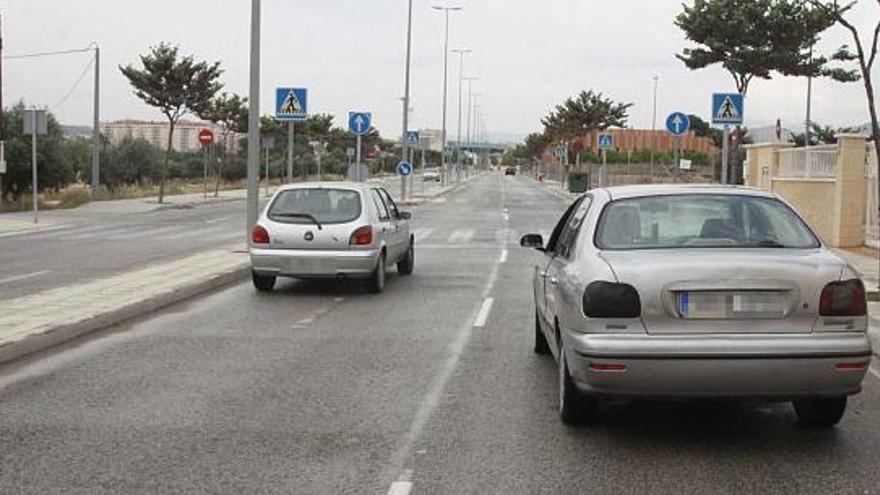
(46, 54)
(75, 85)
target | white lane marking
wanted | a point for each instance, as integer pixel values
(461, 235)
(400, 488)
(873, 371)
(218, 220)
(23, 277)
(34, 231)
(422, 234)
(483, 315)
(147, 233)
(438, 200)
(503, 258)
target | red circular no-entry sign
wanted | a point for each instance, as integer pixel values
(206, 137)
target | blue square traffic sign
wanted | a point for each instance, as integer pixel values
(606, 141)
(727, 108)
(291, 104)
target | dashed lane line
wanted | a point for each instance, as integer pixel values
(483, 315)
(26, 276)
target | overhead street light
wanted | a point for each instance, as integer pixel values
(462, 52)
(446, 11)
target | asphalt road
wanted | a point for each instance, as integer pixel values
(433, 386)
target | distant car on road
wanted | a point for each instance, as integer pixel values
(331, 230)
(510, 171)
(697, 292)
(431, 175)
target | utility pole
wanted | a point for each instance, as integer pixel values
(2, 114)
(654, 127)
(253, 156)
(446, 11)
(96, 124)
(471, 117)
(462, 52)
(403, 144)
(809, 102)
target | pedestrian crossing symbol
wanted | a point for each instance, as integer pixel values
(291, 104)
(727, 108)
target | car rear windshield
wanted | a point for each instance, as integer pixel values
(325, 206)
(702, 221)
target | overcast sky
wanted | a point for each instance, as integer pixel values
(528, 54)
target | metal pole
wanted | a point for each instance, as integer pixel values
(96, 121)
(654, 128)
(403, 143)
(357, 163)
(602, 173)
(809, 103)
(460, 94)
(34, 166)
(725, 151)
(253, 168)
(290, 134)
(2, 115)
(267, 171)
(445, 96)
(205, 152)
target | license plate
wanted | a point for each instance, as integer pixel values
(730, 305)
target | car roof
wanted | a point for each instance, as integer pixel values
(357, 186)
(643, 190)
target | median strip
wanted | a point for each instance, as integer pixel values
(32, 323)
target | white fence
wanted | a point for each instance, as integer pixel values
(872, 222)
(815, 162)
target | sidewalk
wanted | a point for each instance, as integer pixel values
(32, 323)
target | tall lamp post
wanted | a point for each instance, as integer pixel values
(253, 156)
(404, 146)
(462, 52)
(446, 11)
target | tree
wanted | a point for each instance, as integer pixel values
(754, 38)
(703, 129)
(582, 115)
(176, 86)
(230, 113)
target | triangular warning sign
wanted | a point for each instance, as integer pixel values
(727, 110)
(291, 105)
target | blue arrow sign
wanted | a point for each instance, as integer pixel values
(291, 104)
(412, 138)
(606, 141)
(727, 108)
(560, 152)
(678, 124)
(360, 123)
(404, 169)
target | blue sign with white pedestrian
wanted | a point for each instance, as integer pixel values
(404, 169)
(412, 138)
(291, 104)
(360, 123)
(606, 141)
(678, 124)
(727, 108)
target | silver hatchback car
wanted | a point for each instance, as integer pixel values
(331, 230)
(684, 292)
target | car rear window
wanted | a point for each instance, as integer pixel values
(701, 221)
(326, 206)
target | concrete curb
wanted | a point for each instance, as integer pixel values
(64, 333)
(425, 199)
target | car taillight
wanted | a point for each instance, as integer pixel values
(362, 236)
(845, 298)
(610, 300)
(260, 235)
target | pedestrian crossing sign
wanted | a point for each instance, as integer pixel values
(291, 104)
(727, 108)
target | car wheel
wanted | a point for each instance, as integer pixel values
(574, 407)
(377, 279)
(541, 346)
(820, 413)
(407, 264)
(263, 283)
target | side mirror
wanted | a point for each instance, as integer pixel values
(405, 215)
(534, 241)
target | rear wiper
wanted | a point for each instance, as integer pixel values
(299, 215)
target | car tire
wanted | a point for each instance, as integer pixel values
(541, 345)
(407, 264)
(263, 283)
(575, 408)
(820, 413)
(377, 278)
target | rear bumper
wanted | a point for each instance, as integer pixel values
(772, 367)
(313, 263)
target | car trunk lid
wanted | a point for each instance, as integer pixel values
(309, 236)
(707, 291)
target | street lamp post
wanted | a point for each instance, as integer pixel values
(446, 11)
(253, 157)
(403, 144)
(472, 102)
(654, 128)
(462, 52)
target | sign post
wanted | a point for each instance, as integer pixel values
(678, 124)
(2, 172)
(291, 106)
(359, 124)
(727, 109)
(35, 124)
(206, 139)
(606, 142)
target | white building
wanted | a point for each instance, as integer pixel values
(185, 139)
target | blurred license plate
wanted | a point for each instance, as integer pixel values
(721, 305)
